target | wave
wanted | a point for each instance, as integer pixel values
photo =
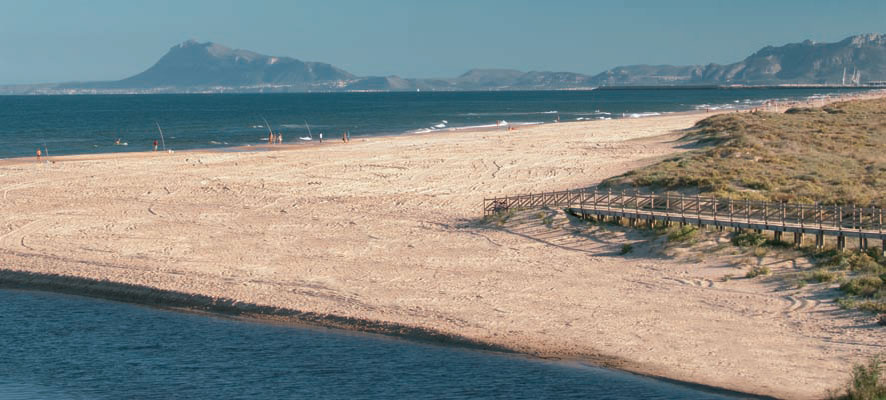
(487, 114)
(643, 114)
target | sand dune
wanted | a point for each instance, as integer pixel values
(387, 229)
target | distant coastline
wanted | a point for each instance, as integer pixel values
(193, 67)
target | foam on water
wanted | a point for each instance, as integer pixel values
(87, 124)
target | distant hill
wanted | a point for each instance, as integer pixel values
(204, 65)
(211, 67)
(796, 63)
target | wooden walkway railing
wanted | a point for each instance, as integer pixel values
(819, 219)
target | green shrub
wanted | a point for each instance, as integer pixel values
(873, 306)
(834, 258)
(626, 248)
(748, 239)
(863, 263)
(757, 271)
(685, 233)
(865, 286)
(823, 275)
(760, 251)
(866, 381)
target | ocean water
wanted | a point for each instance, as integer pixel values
(91, 124)
(67, 347)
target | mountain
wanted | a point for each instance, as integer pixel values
(202, 65)
(211, 67)
(808, 62)
(796, 63)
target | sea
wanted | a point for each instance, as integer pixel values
(83, 124)
(57, 346)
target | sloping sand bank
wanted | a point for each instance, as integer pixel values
(388, 230)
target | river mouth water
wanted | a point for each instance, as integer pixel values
(71, 347)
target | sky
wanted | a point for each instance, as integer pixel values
(75, 40)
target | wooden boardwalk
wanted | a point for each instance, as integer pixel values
(862, 223)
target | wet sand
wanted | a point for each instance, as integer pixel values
(387, 232)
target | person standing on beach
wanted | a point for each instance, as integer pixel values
(321, 137)
(344, 137)
(39, 155)
(155, 145)
(279, 137)
(270, 138)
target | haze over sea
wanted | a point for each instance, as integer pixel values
(90, 124)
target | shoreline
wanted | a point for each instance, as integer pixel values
(295, 144)
(230, 308)
(386, 230)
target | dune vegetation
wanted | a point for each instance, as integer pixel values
(832, 155)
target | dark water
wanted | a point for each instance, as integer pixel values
(90, 124)
(68, 347)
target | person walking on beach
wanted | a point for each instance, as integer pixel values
(279, 137)
(39, 155)
(270, 138)
(344, 137)
(155, 145)
(321, 137)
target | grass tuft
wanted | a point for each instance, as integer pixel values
(758, 271)
(626, 248)
(748, 239)
(867, 381)
(686, 233)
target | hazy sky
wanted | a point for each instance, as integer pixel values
(65, 40)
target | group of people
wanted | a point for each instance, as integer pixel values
(275, 139)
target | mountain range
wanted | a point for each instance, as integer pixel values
(211, 67)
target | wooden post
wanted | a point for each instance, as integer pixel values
(622, 203)
(682, 208)
(652, 210)
(840, 222)
(698, 210)
(715, 212)
(784, 214)
(853, 216)
(747, 210)
(731, 211)
(581, 204)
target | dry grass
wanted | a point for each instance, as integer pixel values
(829, 155)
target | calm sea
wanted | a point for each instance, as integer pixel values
(68, 347)
(92, 124)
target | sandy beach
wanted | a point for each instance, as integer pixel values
(389, 230)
